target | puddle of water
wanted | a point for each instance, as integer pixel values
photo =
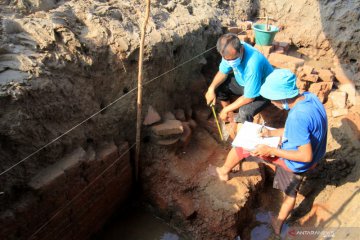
(138, 225)
(263, 229)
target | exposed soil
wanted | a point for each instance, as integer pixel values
(62, 61)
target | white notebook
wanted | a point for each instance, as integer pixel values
(248, 137)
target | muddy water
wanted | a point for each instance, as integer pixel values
(138, 224)
(262, 230)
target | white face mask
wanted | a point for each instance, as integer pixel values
(234, 63)
(285, 105)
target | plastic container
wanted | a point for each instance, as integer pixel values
(263, 37)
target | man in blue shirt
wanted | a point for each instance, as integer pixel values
(250, 68)
(303, 139)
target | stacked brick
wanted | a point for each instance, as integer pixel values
(319, 82)
(74, 196)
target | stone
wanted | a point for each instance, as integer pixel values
(46, 177)
(321, 90)
(244, 38)
(279, 50)
(308, 70)
(351, 127)
(55, 173)
(186, 205)
(265, 50)
(310, 78)
(350, 89)
(192, 124)
(169, 116)
(302, 85)
(326, 75)
(251, 36)
(202, 114)
(234, 30)
(285, 61)
(169, 127)
(167, 142)
(343, 76)
(339, 112)
(338, 99)
(186, 136)
(151, 117)
(246, 25)
(275, 44)
(107, 152)
(284, 45)
(180, 114)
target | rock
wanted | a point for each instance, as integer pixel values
(192, 124)
(279, 50)
(186, 136)
(338, 99)
(311, 78)
(321, 90)
(339, 112)
(351, 126)
(308, 70)
(167, 142)
(180, 114)
(169, 116)
(302, 85)
(234, 30)
(265, 50)
(343, 76)
(350, 89)
(244, 38)
(326, 75)
(168, 128)
(151, 117)
(202, 114)
(284, 45)
(186, 205)
(285, 61)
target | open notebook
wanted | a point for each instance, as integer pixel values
(248, 138)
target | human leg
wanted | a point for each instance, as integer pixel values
(286, 207)
(225, 92)
(233, 158)
(248, 111)
(288, 182)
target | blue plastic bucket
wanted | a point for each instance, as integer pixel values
(263, 37)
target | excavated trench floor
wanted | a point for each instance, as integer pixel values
(181, 200)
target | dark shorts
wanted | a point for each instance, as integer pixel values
(285, 180)
(230, 88)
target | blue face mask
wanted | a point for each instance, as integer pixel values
(234, 63)
(285, 105)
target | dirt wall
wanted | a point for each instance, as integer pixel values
(329, 27)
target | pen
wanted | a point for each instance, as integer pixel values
(262, 127)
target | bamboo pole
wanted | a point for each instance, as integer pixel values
(139, 95)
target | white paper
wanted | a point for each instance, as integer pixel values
(248, 137)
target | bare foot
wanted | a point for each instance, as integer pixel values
(275, 223)
(221, 175)
(217, 172)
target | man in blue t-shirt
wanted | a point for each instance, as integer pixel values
(303, 139)
(250, 68)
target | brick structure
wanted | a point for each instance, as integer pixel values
(72, 195)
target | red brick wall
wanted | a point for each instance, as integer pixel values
(54, 187)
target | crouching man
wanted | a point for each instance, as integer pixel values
(303, 139)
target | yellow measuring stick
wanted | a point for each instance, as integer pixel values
(217, 122)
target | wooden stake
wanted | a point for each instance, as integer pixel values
(139, 95)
